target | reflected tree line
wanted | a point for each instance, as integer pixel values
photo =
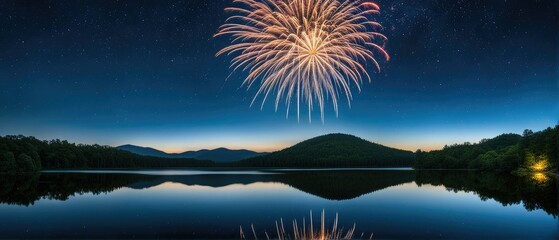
(537, 191)
(534, 192)
(26, 189)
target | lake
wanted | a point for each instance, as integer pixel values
(395, 203)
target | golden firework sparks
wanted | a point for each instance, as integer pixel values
(310, 50)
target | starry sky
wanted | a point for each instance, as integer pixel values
(145, 73)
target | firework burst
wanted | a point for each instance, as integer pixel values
(304, 51)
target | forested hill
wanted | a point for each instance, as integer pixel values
(28, 154)
(334, 150)
(537, 151)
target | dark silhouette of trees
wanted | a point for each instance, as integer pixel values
(7, 162)
(27, 154)
(505, 152)
(531, 191)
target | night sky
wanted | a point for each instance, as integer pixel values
(145, 73)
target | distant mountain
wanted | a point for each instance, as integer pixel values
(216, 155)
(145, 151)
(226, 155)
(188, 154)
(334, 150)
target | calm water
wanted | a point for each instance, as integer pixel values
(197, 204)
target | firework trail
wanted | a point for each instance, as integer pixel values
(304, 50)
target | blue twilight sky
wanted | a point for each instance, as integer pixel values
(144, 73)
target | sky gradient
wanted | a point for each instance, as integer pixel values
(145, 73)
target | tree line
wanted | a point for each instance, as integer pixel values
(507, 152)
(28, 154)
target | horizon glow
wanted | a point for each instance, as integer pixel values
(146, 74)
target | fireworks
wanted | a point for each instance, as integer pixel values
(304, 51)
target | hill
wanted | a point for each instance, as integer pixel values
(334, 150)
(216, 155)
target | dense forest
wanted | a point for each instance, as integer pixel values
(333, 150)
(536, 151)
(28, 154)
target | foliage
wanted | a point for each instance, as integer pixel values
(505, 152)
(34, 155)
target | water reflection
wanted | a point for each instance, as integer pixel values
(344, 185)
(533, 192)
(540, 178)
(538, 191)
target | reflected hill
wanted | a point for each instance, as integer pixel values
(331, 185)
(534, 192)
(344, 185)
(208, 180)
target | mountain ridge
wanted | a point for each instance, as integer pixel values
(221, 154)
